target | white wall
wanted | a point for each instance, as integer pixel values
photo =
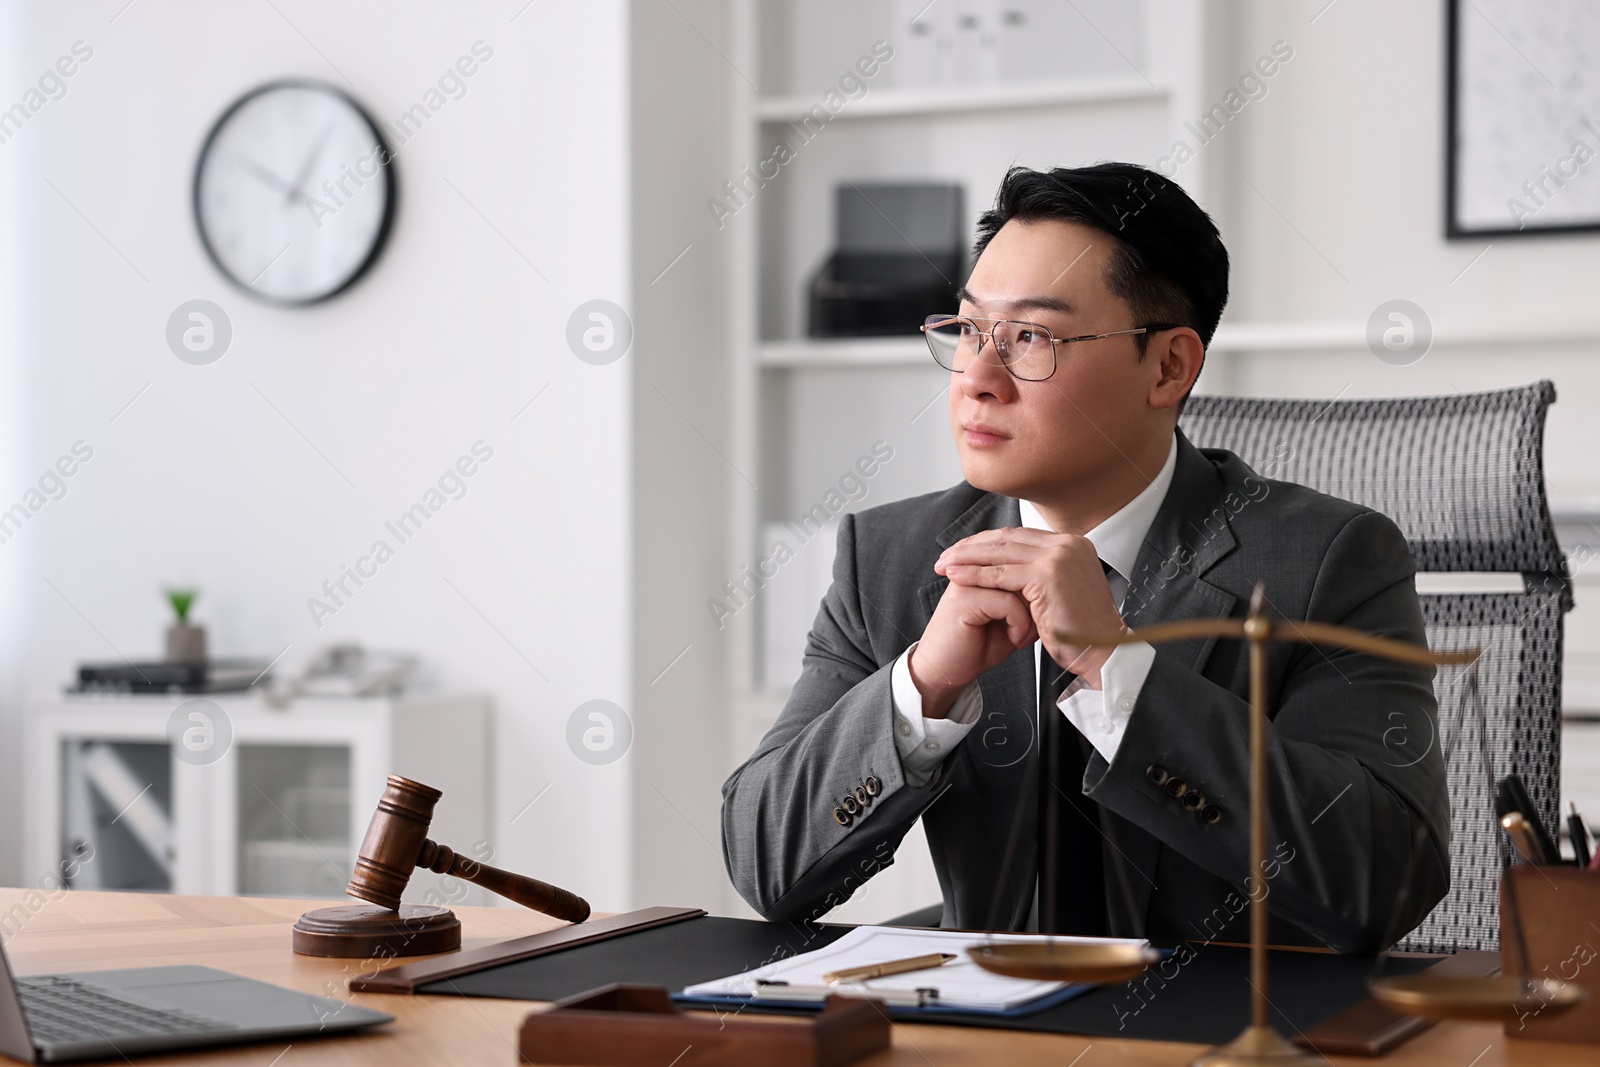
(200, 480)
(1348, 149)
(681, 477)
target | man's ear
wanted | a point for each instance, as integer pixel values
(1178, 354)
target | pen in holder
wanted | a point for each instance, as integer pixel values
(1560, 908)
(1517, 990)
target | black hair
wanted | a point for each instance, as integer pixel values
(1169, 263)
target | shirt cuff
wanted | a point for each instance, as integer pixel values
(1102, 714)
(923, 743)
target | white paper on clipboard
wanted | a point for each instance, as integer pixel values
(961, 983)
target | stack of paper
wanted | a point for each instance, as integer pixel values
(959, 985)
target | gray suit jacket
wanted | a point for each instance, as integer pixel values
(1356, 779)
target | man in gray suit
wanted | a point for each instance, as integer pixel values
(1106, 793)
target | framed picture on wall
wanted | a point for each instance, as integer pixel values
(1523, 117)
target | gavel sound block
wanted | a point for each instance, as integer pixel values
(397, 844)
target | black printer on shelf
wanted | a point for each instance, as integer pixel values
(898, 258)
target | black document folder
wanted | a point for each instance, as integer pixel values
(1199, 994)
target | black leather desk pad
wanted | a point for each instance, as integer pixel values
(1201, 994)
(677, 955)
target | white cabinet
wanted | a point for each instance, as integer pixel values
(225, 795)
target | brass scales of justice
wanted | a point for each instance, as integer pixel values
(1432, 996)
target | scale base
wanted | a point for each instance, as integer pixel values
(367, 931)
(1258, 1046)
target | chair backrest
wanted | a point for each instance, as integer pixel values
(1463, 478)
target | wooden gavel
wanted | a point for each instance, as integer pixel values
(397, 844)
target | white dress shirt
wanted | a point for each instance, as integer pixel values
(1102, 714)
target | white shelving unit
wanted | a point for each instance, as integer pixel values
(1116, 80)
(281, 809)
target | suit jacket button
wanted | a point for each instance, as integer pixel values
(849, 805)
(1176, 787)
(874, 787)
(1157, 774)
(1211, 814)
(862, 797)
(1194, 801)
(842, 817)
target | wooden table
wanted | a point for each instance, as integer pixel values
(250, 936)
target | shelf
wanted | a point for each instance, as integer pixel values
(934, 101)
(1334, 336)
(846, 352)
(1286, 336)
(1264, 337)
(908, 351)
(1577, 511)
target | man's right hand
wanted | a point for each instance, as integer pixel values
(973, 629)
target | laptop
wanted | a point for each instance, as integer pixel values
(59, 1018)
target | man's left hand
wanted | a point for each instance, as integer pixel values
(1059, 575)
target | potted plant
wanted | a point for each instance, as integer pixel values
(185, 643)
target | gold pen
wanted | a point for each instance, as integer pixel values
(878, 970)
(1522, 836)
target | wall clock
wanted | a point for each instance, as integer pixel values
(294, 192)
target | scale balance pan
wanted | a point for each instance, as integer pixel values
(1464, 997)
(1066, 961)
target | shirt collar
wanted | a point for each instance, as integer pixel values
(1118, 539)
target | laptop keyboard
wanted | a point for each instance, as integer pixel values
(62, 1010)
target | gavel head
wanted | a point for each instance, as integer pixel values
(394, 841)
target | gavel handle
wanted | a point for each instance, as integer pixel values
(529, 892)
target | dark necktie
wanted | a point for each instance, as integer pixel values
(1072, 881)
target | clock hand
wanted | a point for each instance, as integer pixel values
(298, 191)
(266, 177)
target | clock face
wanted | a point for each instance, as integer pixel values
(294, 192)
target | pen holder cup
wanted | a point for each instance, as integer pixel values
(1560, 909)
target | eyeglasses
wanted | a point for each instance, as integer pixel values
(1026, 349)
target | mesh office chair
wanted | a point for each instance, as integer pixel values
(1463, 478)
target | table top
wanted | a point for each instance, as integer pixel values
(77, 930)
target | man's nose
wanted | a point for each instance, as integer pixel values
(986, 375)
